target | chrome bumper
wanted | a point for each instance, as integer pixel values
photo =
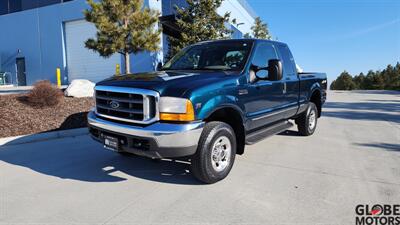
(169, 140)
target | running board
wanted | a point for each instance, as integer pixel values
(259, 135)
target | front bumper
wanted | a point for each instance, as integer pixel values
(158, 140)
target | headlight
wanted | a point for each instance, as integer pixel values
(176, 109)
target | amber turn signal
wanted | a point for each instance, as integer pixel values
(187, 116)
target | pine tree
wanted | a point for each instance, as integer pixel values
(359, 81)
(390, 77)
(369, 80)
(124, 27)
(333, 85)
(396, 85)
(343, 82)
(246, 35)
(387, 79)
(260, 29)
(378, 82)
(198, 21)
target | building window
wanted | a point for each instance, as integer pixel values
(14, 6)
(3, 7)
(29, 4)
(236, 33)
(48, 2)
(10, 6)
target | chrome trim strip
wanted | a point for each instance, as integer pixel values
(120, 99)
(144, 92)
(126, 90)
(146, 107)
(134, 111)
(274, 113)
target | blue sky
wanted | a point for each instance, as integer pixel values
(335, 35)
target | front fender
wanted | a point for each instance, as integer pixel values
(219, 102)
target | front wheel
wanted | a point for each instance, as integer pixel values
(307, 122)
(215, 153)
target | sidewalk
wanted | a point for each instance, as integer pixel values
(30, 138)
(9, 89)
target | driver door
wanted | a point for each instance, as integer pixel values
(265, 98)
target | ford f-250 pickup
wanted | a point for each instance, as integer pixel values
(208, 102)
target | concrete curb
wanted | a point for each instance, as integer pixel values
(29, 138)
(9, 90)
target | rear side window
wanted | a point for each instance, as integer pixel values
(287, 61)
(263, 53)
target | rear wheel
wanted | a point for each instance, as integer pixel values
(215, 153)
(307, 122)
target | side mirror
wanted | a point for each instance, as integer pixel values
(274, 69)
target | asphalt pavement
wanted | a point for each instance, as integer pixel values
(353, 158)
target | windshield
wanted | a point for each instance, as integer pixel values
(224, 55)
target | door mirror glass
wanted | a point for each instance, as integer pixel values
(258, 73)
(262, 74)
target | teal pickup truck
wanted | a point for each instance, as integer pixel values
(207, 103)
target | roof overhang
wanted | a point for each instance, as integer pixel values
(169, 25)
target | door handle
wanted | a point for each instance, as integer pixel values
(284, 87)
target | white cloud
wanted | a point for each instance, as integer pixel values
(367, 30)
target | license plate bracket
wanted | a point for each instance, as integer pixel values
(111, 143)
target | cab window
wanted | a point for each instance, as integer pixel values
(263, 53)
(287, 61)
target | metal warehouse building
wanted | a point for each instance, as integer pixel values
(39, 36)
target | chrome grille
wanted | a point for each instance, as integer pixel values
(127, 104)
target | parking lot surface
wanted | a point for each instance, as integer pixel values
(353, 158)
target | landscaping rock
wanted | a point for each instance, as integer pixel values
(80, 88)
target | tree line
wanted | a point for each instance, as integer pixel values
(387, 79)
(128, 27)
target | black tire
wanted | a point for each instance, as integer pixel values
(202, 164)
(303, 122)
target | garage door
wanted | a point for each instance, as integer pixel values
(83, 63)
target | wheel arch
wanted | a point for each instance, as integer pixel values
(315, 98)
(231, 115)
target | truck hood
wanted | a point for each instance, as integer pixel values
(167, 83)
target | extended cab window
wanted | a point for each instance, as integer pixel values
(287, 61)
(263, 53)
(227, 56)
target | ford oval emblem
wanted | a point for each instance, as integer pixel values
(114, 104)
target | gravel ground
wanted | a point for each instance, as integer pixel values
(18, 118)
